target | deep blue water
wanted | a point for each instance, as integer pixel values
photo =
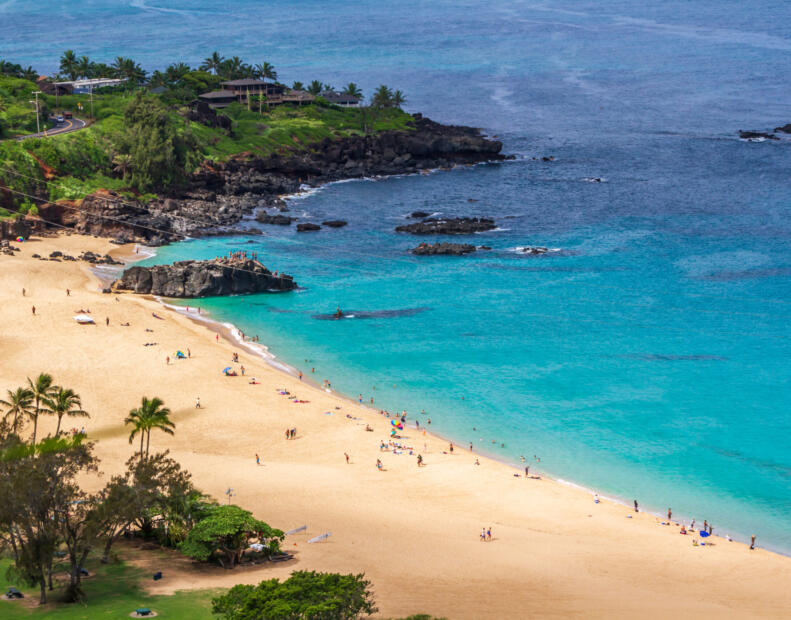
(649, 358)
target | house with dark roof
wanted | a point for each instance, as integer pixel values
(296, 96)
(240, 90)
(336, 98)
(219, 98)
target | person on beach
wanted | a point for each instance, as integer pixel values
(242, 369)
(347, 457)
(489, 533)
(635, 506)
(692, 526)
(483, 534)
(217, 337)
(34, 310)
(705, 525)
(419, 460)
(300, 375)
(470, 446)
(378, 464)
(429, 421)
(197, 402)
(257, 460)
(360, 399)
(477, 462)
(167, 360)
(68, 293)
(107, 321)
(288, 434)
(527, 471)
(451, 447)
(189, 353)
(669, 514)
(23, 292)
(752, 542)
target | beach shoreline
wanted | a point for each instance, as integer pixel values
(555, 551)
(233, 335)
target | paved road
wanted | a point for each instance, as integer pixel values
(67, 126)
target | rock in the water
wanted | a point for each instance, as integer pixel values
(533, 250)
(785, 128)
(194, 278)
(449, 226)
(454, 249)
(307, 227)
(484, 247)
(419, 215)
(753, 135)
(335, 223)
(277, 220)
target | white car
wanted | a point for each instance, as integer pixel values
(59, 118)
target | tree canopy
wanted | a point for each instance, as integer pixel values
(306, 595)
(225, 532)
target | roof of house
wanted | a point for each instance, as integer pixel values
(218, 94)
(333, 96)
(298, 94)
(245, 82)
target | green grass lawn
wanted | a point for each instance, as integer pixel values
(114, 592)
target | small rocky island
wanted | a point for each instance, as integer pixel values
(448, 226)
(204, 278)
(436, 249)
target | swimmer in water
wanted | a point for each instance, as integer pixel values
(338, 314)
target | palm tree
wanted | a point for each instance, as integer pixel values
(315, 87)
(398, 99)
(41, 389)
(122, 163)
(151, 414)
(85, 67)
(68, 64)
(64, 402)
(177, 71)
(297, 86)
(29, 74)
(352, 89)
(265, 71)
(232, 68)
(383, 97)
(213, 63)
(18, 405)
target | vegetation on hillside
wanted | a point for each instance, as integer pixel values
(140, 138)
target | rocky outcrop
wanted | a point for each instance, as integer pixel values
(335, 223)
(453, 249)
(193, 278)
(756, 135)
(533, 250)
(419, 215)
(448, 226)
(11, 229)
(784, 129)
(277, 220)
(219, 195)
(308, 227)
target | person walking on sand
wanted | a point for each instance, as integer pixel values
(23, 292)
(635, 506)
(752, 542)
(669, 514)
(189, 353)
(347, 457)
(451, 447)
(489, 533)
(379, 464)
(242, 369)
(68, 293)
(197, 402)
(257, 460)
(107, 321)
(167, 360)
(483, 534)
(420, 460)
(217, 337)
(300, 375)
(527, 471)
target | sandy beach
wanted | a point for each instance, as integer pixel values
(414, 531)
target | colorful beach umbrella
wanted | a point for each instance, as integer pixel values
(397, 424)
(225, 370)
(703, 533)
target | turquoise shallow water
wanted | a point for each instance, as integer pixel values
(649, 358)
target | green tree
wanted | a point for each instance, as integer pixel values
(85, 67)
(122, 163)
(352, 89)
(398, 99)
(41, 389)
(64, 402)
(213, 63)
(383, 97)
(306, 595)
(29, 74)
(149, 415)
(265, 71)
(315, 87)
(225, 532)
(18, 404)
(297, 86)
(69, 63)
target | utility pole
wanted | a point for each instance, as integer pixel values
(91, 89)
(38, 125)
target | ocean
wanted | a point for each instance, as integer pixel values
(648, 357)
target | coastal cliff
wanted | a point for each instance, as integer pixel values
(208, 278)
(217, 196)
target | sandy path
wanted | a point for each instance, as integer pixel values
(413, 531)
